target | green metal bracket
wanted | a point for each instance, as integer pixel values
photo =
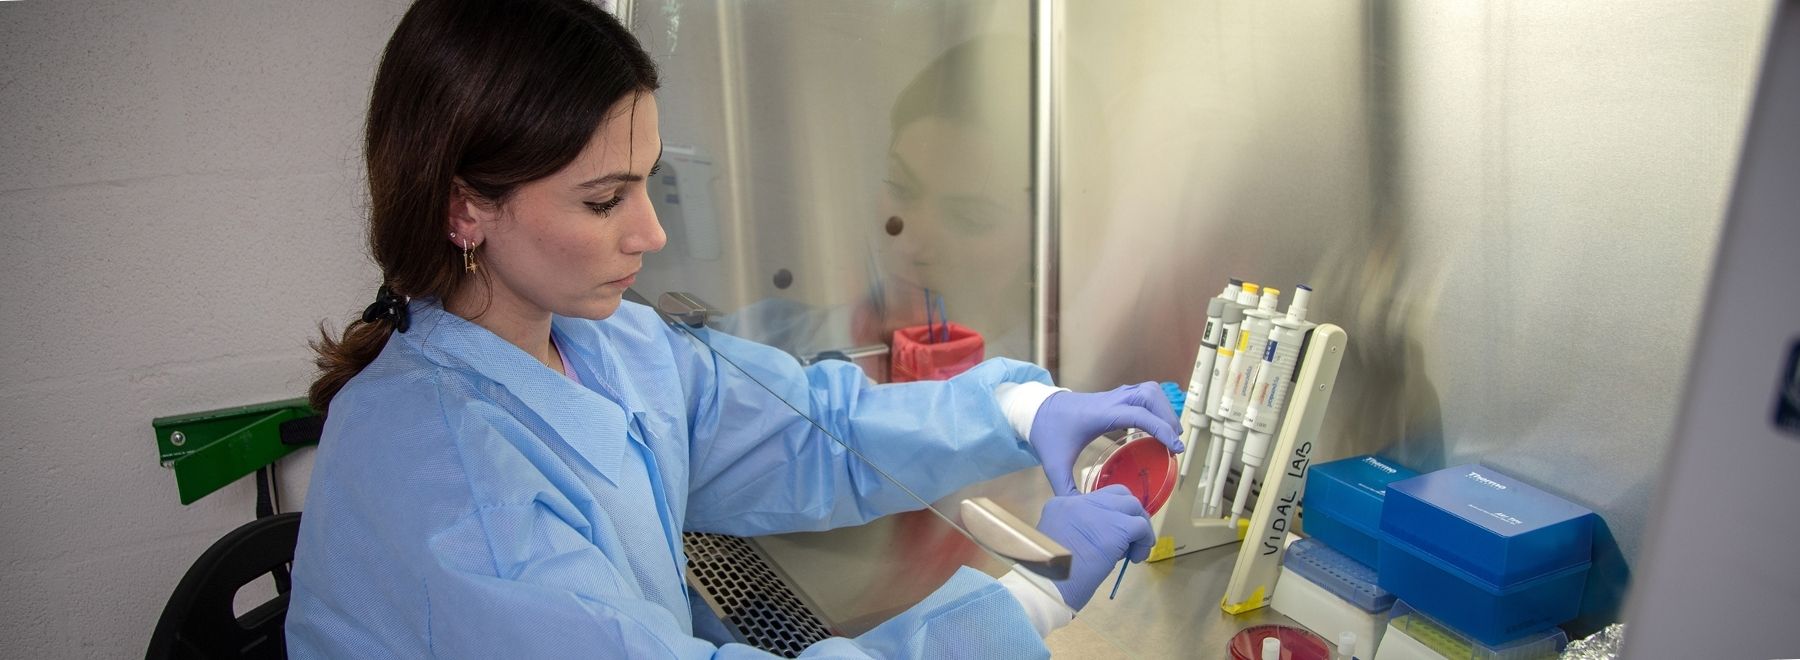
(209, 450)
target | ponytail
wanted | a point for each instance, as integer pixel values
(341, 359)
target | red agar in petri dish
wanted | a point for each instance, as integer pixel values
(1142, 465)
(1296, 644)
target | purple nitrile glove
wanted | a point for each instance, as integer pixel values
(1068, 421)
(1099, 529)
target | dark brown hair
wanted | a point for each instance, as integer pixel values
(488, 93)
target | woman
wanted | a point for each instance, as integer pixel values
(511, 452)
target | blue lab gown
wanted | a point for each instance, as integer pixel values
(466, 501)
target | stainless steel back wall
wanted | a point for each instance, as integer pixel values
(1510, 207)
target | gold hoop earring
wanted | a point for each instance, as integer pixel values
(469, 264)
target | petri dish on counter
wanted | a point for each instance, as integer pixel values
(1140, 463)
(1296, 644)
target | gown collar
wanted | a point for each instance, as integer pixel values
(594, 423)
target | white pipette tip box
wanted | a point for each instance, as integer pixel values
(1329, 593)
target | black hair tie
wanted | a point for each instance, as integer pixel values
(390, 308)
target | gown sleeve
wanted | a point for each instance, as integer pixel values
(520, 581)
(775, 447)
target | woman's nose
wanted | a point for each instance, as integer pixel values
(646, 235)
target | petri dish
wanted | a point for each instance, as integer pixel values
(1140, 463)
(1296, 643)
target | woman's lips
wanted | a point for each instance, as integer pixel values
(625, 281)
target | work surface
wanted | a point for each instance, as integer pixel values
(1165, 609)
(857, 577)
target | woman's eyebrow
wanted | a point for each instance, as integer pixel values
(616, 177)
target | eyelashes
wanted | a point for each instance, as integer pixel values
(606, 208)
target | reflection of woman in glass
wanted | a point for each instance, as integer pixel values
(958, 191)
(955, 223)
(954, 216)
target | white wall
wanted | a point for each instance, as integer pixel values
(179, 204)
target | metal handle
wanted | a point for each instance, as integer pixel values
(853, 354)
(685, 308)
(1004, 533)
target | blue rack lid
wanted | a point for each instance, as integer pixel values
(1497, 528)
(1337, 573)
(1352, 489)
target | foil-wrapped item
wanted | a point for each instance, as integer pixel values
(1603, 645)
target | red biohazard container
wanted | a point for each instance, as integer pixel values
(1140, 463)
(917, 355)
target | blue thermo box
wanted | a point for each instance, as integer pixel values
(1342, 506)
(1489, 555)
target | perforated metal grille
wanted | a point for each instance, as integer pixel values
(745, 591)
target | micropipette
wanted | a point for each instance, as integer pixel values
(1242, 373)
(1273, 377)
(1253, 338)
(1230, 336)
(1193, 415)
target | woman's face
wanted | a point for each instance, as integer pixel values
(572, 242)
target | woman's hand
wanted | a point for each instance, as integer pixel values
(1099, 529)
(1068, 421)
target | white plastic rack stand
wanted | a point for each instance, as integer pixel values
(1258, 565)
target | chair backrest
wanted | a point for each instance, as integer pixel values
(199, 621)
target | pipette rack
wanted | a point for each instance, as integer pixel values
(1179, 532)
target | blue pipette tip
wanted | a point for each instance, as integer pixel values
(930, 324)
(1121, 580)
(944, 317)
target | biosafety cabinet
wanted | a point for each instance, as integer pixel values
(1509, 209)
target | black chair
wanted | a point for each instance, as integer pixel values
(198, 622)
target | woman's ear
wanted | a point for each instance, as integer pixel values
(469, 214)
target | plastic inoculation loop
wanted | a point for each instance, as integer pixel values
(1296, 643)
(1140, 463)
